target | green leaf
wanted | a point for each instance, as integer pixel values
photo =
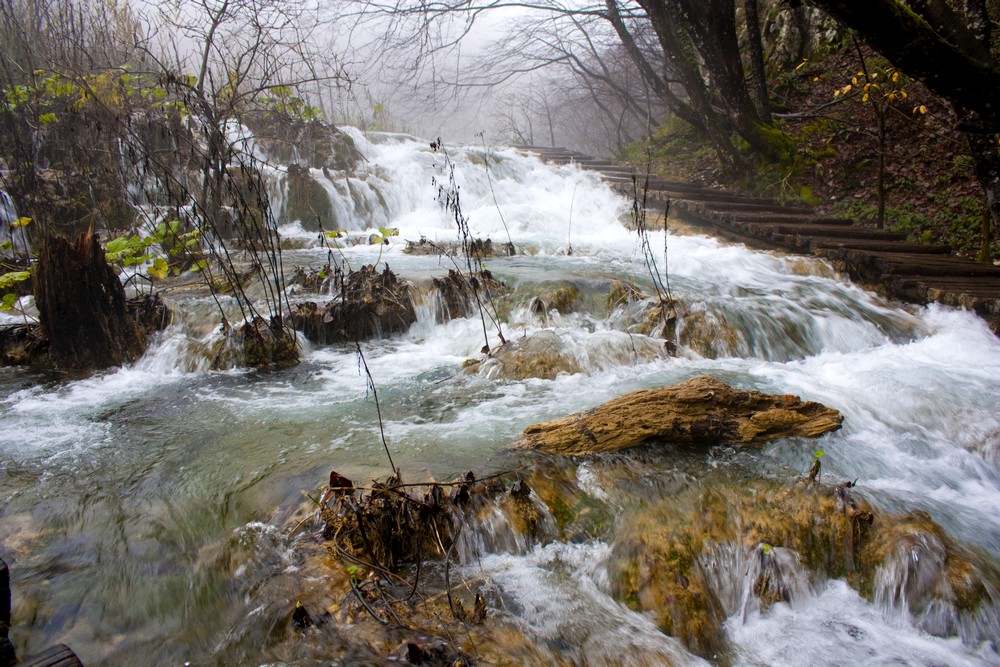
(159, 269)
(20, 222)
(767, 549)
(12, 278)
(388, 231)
(9, 300)
(336, 234)
(48, 118)
(199, 265)
(6, 245)
(819, 453)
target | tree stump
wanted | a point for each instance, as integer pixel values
(82, 306)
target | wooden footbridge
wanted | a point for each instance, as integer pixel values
(882, 260)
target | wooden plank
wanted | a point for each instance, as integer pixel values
(755, 208)
(827, 243)
(819, 230)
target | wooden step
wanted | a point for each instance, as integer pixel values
(788, 218)
(822, 245)
(818, 230)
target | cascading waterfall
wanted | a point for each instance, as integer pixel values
(143, 508)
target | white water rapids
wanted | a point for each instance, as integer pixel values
(120, 494)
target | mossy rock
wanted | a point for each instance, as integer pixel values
(561, 297)
(370, 305)
(261, 344)
(539, 355)
(307, 201)
(657, 563)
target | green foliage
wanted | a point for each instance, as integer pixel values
(674, 150)
(131, 250)
(52, 93)
(128, 250)
(383, 235)
(283, 102)
(8, 280)
(948, 219)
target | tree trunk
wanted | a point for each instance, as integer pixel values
(986, 154)
(758, 79)
(880, 117)
(81, 306)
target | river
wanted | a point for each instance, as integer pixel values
(142, 509)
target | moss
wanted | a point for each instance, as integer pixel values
(654, 566)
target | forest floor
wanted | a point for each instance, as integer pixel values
(931, 191)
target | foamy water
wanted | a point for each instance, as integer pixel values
(133, 470)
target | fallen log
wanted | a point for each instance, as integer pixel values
(702, 410)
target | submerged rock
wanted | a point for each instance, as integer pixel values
(261, 344)
(540, 355)
(547, 353)
(462, 295)
(476, 248)
(702, 410)
(370, 304)
(719, 551)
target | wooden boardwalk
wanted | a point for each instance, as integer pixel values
(879, 259)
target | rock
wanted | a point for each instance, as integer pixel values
(150, 312)
(458, 293)
(561, 297)
(540, 355)
(286, 140)
(477, 248)
(684, 558)
(370, 304)
(261, 344)
(702, 410)
(22, 345)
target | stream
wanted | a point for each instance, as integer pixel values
(143, 510)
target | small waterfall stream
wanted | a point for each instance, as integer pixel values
(144, 510)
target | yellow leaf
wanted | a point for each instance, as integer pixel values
(865, 98)
(895, 77)
(903, 93)
(874, 76)
(20, 222)
(854, 80)
(159, 269)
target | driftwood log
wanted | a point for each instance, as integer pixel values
(702, 410)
